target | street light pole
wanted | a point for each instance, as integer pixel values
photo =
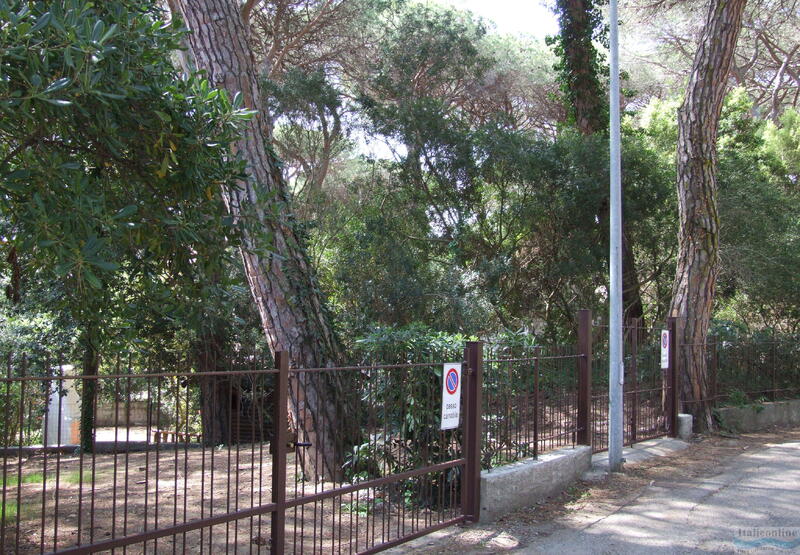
(615, 370)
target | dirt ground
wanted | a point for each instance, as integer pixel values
(586, 501)
(242, 480)
(138, 492)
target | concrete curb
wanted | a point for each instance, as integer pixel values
(639, 452)
(524, 483)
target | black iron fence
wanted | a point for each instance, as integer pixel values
(205, 462)
(530, 402)
(750, 369)
(647, 390)
(318, 460)
(535, 398)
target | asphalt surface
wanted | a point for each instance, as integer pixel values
(745, 503)
(753, 505)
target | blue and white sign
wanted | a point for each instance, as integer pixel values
(451, 395)
(664, 349)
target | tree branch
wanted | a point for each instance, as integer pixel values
(247, 9)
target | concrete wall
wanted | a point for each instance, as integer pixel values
(522, 484)
(758, 417)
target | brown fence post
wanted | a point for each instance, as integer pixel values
(584, 435)
(673, 394)
(471, 492)
(536, 417)
(278, 446)
(634, 378)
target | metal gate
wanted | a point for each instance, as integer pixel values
(264, 458)
(211, 465)
(649, 406)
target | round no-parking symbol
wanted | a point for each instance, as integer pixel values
(451, 382)
(451, 395)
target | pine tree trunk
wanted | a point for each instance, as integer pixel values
(215, 392)
(89, 367)
(698, 236)
(283, 286)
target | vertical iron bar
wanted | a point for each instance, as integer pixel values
(240, 394)
(713, 376)
(21, 424)
(177, 428)
(584, 377)
(472, 432)
(94, 461)
(6, 444)
(128, 448)
(774, 373)
(158, 461)
(116, 445)
(278, 448)
(636, 401)
(48, 394)
(536, 403)
(147, 453)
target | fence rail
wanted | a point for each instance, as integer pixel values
(263, 457)
(214, 467)
(750, 369)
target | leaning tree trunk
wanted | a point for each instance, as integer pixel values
(698, 235)
(283, 285)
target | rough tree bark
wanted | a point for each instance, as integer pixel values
(283, 285)
(698, 235)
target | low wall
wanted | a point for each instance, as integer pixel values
(752, 418)
(507, 488)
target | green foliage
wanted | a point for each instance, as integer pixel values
(415, 342)
(759, 254)
(757, 206)
(112, 164)
(426, 48)
(403, 433)
(580, 66)
(783, 142)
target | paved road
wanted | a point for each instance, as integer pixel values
(754, 501)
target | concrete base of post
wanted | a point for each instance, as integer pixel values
(685, 422)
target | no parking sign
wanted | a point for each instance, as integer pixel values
(451, 395)
(664, 349)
